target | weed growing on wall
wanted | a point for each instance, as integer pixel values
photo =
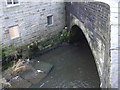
(39, 46)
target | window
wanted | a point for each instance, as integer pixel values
(14, 33)
(12, 2)
(9, 2)
(50, 20)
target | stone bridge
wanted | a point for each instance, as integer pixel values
(93, 18)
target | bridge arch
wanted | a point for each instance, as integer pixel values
(78, 35)
(97, 43)
(90, 40)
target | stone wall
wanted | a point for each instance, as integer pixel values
(94, 20)
(31, 18)
(1, 21)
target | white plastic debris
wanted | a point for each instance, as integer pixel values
(28, 60)
(16, 77)
(39, 71)
(66, 27)
(42, 85)
(38, 61)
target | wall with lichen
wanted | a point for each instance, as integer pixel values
(94, 20)
(31, 17)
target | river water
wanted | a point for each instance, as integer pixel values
(74, 67)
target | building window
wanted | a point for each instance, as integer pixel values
(14, 32)
(12, 2)
(50, 20)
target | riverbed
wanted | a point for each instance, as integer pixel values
(74, 67)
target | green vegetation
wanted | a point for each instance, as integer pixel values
(118, 47)
(34, 47)
(7, 65)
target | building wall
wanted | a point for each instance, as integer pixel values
(1, 21)
(94, 20)
(31, 17)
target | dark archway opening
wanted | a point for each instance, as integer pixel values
(77, 38)
(76, 35)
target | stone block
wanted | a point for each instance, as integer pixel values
(18, 82)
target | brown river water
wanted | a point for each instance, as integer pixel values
(74, 67)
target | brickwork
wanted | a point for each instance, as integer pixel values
(94, 19)
(31, 17)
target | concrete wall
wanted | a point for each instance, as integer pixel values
(31, 17)
(93, 18)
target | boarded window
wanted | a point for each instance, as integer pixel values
(50, 20)
(14, 32)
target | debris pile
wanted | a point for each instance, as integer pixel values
(20, 66)
(4, 82)
(24, 73)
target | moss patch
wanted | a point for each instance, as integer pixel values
(42, 44)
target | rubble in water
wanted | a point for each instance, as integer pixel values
(23, 74)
